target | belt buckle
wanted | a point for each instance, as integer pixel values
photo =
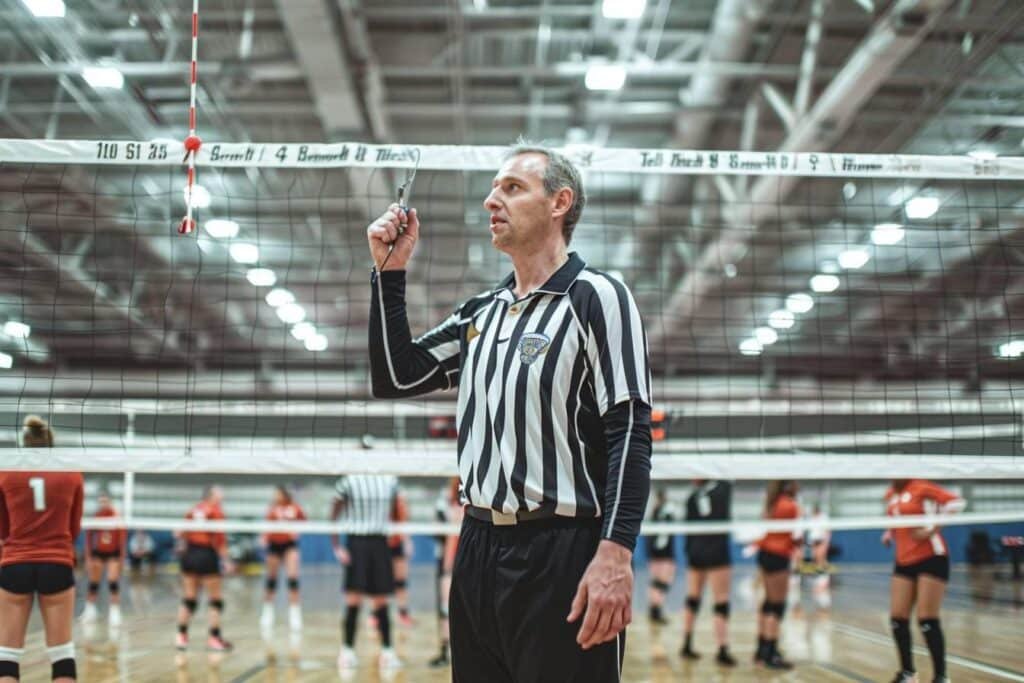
(502, 518)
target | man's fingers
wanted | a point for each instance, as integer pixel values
(586, 631)
(602, 625)
(413, 228)
(578, 603)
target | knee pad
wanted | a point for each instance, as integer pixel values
(114, 586)
(722, 609)
(778, 609)
(293, 584)
(660, 586)
(190, 604)
(62, 660)
(217, 604)
(94, 587)
(401, 584)
(10, 661)
(693, 604)
(271, 585)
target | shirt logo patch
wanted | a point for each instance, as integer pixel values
(472, 333)
(532, 346)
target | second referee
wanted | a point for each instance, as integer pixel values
(554, 395)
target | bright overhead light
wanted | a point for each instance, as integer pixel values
(45, 8)
(1013, 349)
(800, 302)
(605, 77)
(317, 342)
(781, 319)
(920, 208)
(18, 330)
(852, 259)
(200, 196)
(261, 277)
(6, 361)
(887, 234)
(751, 347)
(220, 228)
(279, 297)
(243, 252)
(303, 331)
(766, 335)
(291, 313)
(824, 283)
(623, 9)
(849, 190)
(103, 77)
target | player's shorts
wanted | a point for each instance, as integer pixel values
(936, 566)
(656, 551)
(370, 571)
(709, 558)
(397, 551)
(771, 563)
(45, 578)
(201, 560)
(280, 549)
(112, 555)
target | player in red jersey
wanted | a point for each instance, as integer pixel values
(774, 557)
(40, 517)
(400, 550)
(921, 571)
(282, 547)
(104, 551)
(201, 560)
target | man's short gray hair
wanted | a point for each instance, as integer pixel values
(561, 172)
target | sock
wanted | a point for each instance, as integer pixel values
(215, 632)
(762, 644)
(688, 642)
(351, 620)
(771, 648)
(901, 634)
(383, 625)
(932, 630)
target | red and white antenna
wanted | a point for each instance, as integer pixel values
(192, 142)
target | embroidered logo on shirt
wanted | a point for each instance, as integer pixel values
(472, 333)
(531, 346)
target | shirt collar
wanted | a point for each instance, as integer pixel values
(559, 282)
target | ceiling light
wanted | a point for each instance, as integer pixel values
(751, 347)
(279, 297)
(623, 9)
(45, 8)
(6, 361)
(205, 244)
(220, 228)
(13, 328)
(1013, 349)
(261, 277)
(243, 252)
(824, 283)
(103, 77)
(291, 313)
(920, 208)
(781, 319)
(886, 234)
(303, 331)
(851, 259)
(605, 77)
(766, 335)
(849, 190)
(799, 303)
(317, 342)
(200, 196)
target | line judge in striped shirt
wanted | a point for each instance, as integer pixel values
(554, 395)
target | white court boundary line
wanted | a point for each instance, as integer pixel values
(488, 158)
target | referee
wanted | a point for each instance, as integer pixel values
(554, 445)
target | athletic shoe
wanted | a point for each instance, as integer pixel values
(347, 659)
(905, 677)
(441, 660)
(89, 614)
(404, 619)
(723, 658)
(114, 617)
(267, 616)
(388, 660)
(181, 641)
(688, 653)
(295, 618)
(218, 644)
(775, 661)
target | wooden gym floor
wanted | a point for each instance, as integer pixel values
(983, 621)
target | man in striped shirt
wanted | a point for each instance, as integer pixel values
(554, 442)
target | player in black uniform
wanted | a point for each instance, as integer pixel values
(661, 553)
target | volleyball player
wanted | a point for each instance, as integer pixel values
(282, 548)
(818, 538)
(920, 572)
(201, 560)
(661, 558)
(104, 553)
(400, 549)
(449, 509)
(40, 517)
(367, 502)
(708, 561)
(774, 558)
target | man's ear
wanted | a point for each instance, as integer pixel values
(564, 199)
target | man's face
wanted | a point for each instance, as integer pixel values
(520, 209)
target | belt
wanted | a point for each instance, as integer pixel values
(508, 519)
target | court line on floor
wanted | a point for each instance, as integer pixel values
(836, 669)
(966, 662)
(249, 673)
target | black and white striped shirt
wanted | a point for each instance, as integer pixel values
(554, 392)
(369, 501)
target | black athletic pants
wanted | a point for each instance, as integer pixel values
(512, 587)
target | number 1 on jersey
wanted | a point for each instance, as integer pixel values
(38, 485)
